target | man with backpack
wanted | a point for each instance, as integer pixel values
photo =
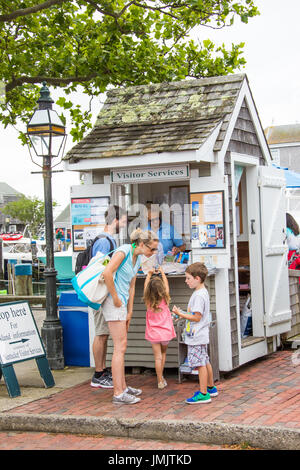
(115, 219)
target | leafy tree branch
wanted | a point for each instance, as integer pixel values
(100, 44)
(30, 10)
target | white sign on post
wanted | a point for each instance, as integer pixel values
(19, 336)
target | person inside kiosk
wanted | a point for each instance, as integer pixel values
(168, 236)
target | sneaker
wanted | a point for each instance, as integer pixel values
(161, 385)
(125, 399)
(212, 391)
(198, 398)
(108, 373)
(134, 391)
(102, 382)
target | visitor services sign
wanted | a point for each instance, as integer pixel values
(19, 336)
(139, 175)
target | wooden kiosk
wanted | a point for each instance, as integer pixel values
(198, 147)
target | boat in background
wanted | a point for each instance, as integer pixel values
(11, 236)
(23, 249)
(20, 249)
(62, 264)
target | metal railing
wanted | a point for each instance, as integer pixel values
(39, 287)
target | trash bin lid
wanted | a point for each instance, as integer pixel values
(69, 299)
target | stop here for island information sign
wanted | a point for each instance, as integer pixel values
(20, 341)
(19, 338)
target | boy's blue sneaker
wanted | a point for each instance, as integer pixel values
(212, 391)
(198, 398)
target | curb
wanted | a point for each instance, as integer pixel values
(263, 437)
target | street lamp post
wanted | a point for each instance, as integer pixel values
(47, 137)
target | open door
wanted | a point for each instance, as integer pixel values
(274, 251)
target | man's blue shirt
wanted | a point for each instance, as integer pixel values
(168, 236)
(103, 245)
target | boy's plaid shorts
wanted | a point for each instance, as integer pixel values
(197, 355)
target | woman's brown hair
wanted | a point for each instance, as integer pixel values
(155, 292)
(292, 224)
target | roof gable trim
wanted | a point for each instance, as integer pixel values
(245, 94)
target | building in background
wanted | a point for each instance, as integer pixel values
(62, 229)
(284, 143)
(7, 223)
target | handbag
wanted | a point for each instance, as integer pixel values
(89, 283)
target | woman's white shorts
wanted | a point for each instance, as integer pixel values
(112, 313)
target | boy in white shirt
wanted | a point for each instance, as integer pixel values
(197, 332)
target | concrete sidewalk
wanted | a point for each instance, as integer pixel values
(258, 404)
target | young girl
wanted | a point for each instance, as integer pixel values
(159, 324)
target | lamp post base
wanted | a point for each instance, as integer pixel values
(52, 336)
(51, 331)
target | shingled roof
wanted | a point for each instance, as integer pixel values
(289, 133)
(164, 117)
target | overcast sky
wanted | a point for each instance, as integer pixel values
(273, 68)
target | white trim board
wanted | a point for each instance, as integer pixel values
(147, 160)
(223, 320)
(244, 159)
(90, 190)
(253, 351)
(286, 144)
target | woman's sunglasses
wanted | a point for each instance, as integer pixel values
(152, 249)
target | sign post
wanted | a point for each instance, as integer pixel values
(20, 341)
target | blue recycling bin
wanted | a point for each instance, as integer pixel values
(78, 328)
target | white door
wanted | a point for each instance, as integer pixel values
(274, 251)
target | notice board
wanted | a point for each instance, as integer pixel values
(87, 220)
(207, 219)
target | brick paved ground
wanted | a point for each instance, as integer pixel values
(265, 392)
(47, 441)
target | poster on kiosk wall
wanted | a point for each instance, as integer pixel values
(87, 220)
(207, 219)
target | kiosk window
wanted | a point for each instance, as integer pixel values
(179, 199)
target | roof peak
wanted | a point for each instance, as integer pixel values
(214, 80)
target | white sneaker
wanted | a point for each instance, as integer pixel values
(161, 385)
(134, 391)
(125, 399)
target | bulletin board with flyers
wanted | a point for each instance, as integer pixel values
(87, 220)
(207, 219)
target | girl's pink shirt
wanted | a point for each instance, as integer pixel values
(159, 325)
